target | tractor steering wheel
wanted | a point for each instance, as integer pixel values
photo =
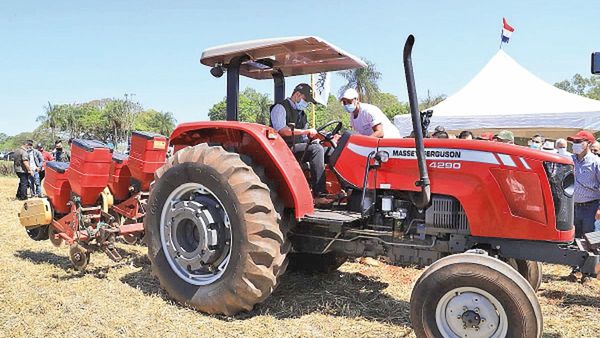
(328, 136)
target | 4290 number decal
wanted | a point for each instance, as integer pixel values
(445, 165)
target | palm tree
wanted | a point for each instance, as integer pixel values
(165, 123)
(364, 80)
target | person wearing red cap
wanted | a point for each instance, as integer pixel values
(587, 183)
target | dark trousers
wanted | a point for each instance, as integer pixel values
(315, 156)
(42, 175)
(23, 183)
(585, 216)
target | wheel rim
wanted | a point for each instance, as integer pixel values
(471, 312)
(195, 234)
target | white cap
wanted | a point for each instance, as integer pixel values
(350, 94)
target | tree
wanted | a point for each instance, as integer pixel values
(430, 101)
(252, 107)
(390, 105)
(364, 80)
(588, 87)
(154, 121)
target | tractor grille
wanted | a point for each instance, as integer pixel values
(446, 213)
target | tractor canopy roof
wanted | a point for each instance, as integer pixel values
(291, 56)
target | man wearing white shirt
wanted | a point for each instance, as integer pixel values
(367, 119)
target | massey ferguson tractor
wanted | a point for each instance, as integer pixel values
(232, 208)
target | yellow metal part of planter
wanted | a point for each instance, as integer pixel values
(35, 213)
(107, 199)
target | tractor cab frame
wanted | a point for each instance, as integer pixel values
(274, 59)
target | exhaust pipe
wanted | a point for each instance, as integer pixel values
(422, 199)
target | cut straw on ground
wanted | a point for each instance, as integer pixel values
(41, 295)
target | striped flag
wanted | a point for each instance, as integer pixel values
(507, 31)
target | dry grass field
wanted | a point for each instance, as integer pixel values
(41, 295)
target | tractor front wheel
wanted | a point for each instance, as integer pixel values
(212, 231)
(474, 295)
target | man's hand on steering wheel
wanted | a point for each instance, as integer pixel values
(328, 135)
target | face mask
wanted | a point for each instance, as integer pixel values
(597, 225)
(58, 149)
(301, 105)
(577, 148)
(562, 151)
(534, 145)
(350, 108)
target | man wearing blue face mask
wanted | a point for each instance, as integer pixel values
(587, 183)
(291, 110)
(367, 119)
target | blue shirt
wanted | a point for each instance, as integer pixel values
(587, 178)
(278, 118)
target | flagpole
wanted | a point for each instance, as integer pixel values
(500, 47)
(312, 85)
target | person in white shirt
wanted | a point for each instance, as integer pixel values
(367, 119)
(561, 147)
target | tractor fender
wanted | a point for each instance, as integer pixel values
(266, 148)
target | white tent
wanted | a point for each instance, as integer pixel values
(504, 95)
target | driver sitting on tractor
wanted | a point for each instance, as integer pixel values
(291, 110)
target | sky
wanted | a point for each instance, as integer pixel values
(77, 51)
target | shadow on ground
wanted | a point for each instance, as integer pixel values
(567, 299)
(338, 294)
(63, 262)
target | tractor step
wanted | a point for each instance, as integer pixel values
(593, 240)
(332, 218)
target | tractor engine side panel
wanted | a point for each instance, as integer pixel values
(503, 188)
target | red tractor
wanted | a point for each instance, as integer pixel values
(232, 207)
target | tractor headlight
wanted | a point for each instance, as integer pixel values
(382, 156)
(562, 185)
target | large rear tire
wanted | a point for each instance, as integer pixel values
(212, 231)
(474, 295)
(530, 270)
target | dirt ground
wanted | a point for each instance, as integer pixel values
(41, 295)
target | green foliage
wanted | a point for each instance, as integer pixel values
(390, 105)
(588, 87)
(14, 142)
(155, 121)
(364, 80)
(252, 107)
(430, 101)
(108, 120)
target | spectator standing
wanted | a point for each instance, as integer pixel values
(487, 136)
(47, 158)
(537, 141)
(561, 147)
(595, 148)
(465, 135)
(21, 165)
(587, 183)
(505, 136)
(548, 147)
(59, 153)
(36, 161)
